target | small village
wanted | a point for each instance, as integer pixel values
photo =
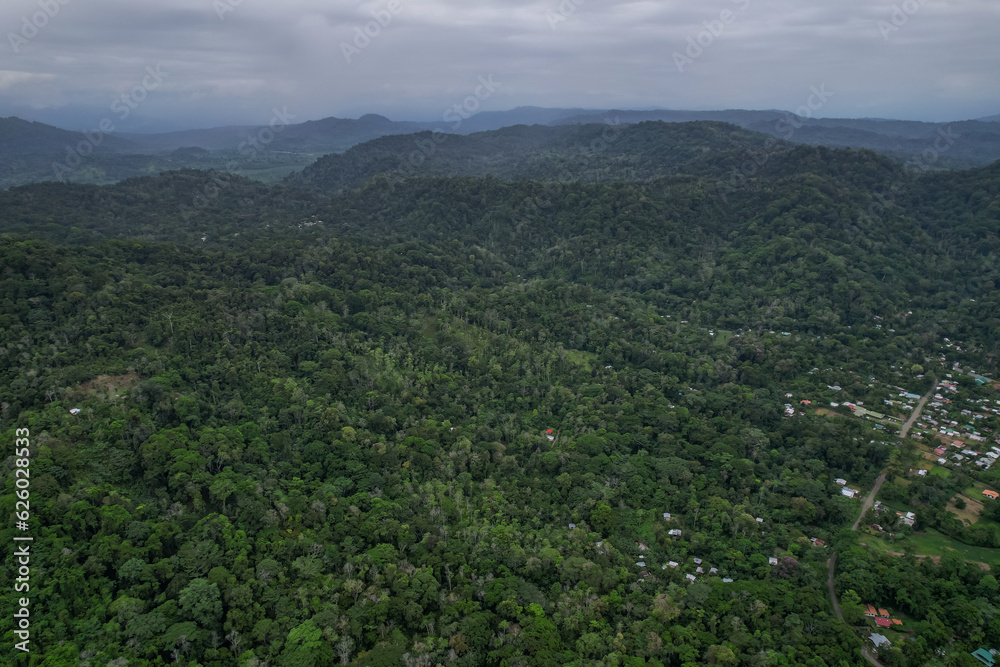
(956, 429)
(693, 567)
(952, 431)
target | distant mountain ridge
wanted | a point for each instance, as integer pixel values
(599, 152)
(968, 143)
(314, 136)
(29, 149)
(22, 136)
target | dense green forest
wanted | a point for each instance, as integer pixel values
(440, 413)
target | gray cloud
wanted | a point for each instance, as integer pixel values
(929, 59)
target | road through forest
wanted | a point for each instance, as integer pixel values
(832, 563)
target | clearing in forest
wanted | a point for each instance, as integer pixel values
(972, 509)
(107, 386)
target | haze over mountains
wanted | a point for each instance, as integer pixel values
(29, 152)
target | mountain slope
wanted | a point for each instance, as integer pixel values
(284, 134)
(588, 153)
(806, 226)
(957, 144)
(20, 137)
(468, 420)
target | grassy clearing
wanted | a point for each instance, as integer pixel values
(940, 472)
(722, 337)
(934, 543)
(898, 505)
(581, 358)
(880, 544)
(105, 385)
(973, 508)
(976, 490)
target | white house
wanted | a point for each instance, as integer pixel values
(842, 482)
(850, 493)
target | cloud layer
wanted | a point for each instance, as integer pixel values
(231, 61)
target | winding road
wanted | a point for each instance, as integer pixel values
(832, 563)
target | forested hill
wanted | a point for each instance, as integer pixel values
(971, 143)
(756, 246)
(21, 137)
(539, 417)
(589, 153)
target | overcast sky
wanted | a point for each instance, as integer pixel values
(233, 61)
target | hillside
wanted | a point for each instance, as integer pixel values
(20, 137)
(588, 153)
(327, 135)
(543, 401)
(966, 143)
(31, 149)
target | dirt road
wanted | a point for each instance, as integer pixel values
(869, 500)
(832, 563)
(916, 411)
(830, 566)
(902, 434)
